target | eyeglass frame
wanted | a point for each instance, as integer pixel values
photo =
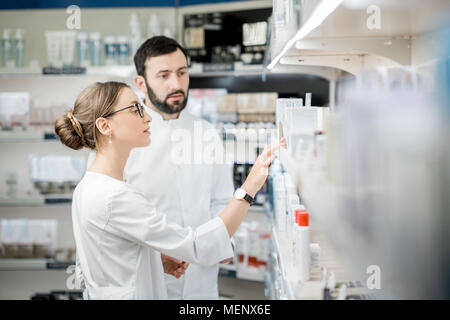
(138, 105)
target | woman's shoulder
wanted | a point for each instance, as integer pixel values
(97, 186)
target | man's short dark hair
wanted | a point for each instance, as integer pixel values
(155, 47)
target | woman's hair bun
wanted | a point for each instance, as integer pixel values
(67, 133)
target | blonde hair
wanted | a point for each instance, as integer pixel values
(76, 128)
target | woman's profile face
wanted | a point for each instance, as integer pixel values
(128, 127)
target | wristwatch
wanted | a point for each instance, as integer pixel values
(241, 194)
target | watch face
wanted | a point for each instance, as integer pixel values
(239, 193)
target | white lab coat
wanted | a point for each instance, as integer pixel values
(189, 194)
(119, 236)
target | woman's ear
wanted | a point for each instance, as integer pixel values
(103, 126)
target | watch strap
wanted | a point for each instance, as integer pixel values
(249, 199)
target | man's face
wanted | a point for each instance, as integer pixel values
(167, 81)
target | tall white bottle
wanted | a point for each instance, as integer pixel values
(19, 48)
(8, 60)
(153, 26)
(135, 35)
(302, 249)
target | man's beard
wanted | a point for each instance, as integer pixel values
(165, 107)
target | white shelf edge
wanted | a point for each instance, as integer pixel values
(119, 71)
(18, 264)
(240, 69)
(40, 201)
(23, 264)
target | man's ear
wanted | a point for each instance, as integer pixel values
(140, 84)
(103, 126)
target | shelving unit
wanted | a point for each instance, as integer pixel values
(336, 39)
(128, 72)
(294, 287)
(347, 35)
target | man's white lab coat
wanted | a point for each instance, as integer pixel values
(184, 175)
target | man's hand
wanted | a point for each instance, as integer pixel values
(173, 266)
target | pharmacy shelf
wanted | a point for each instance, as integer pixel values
(127, 72)
(26, 136)
(115, 71)
(33, 264)
(38, 201)
(294, 287)
(227, 270)
(321, 198)
(323, 40)
(239, 69)
(20, 72)
(253, 274)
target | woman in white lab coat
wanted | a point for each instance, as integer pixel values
(119, 235)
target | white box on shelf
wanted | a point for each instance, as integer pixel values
(14, 109)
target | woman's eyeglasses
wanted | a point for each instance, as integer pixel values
(139, 107)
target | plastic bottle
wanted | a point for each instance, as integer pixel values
(7, 50)
(296, 211)
(153, 26)
(308, 99)
(12, 184)
(123, 50)
(110, 50)
(135, 34)
(19, 48)
(68, 39)
(280, 207)
(293, 204)
(342, 292)
(168, 32)
(53, 41)
(241, 244)
(302, 245)
(82, 48)
(331, 282)
(315, 256)
(95, 48)
(253, 244)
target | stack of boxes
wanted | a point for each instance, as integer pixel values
(248, 107)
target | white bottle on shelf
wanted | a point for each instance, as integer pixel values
(110, 50)
(280, 210)
(19, 48)
(82, 49)
(296, 211)
(135, 34)
(293, 202)
(95, 48)
(315, 256)
(7, 50)
(302, 251)
(123, 50)
(153, 26)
